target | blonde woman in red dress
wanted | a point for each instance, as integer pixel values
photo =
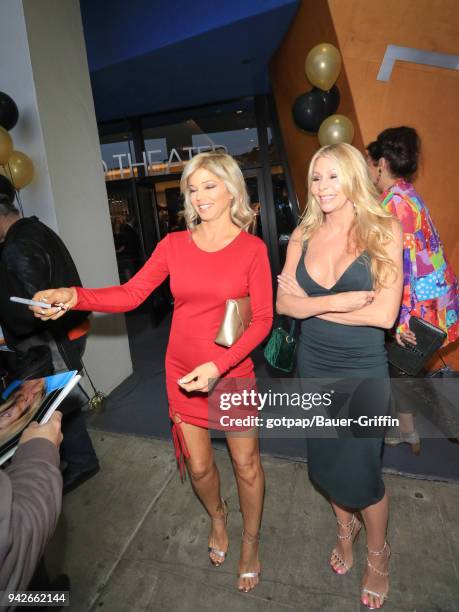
(215, 259)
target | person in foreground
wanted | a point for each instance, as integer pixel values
(214, 260)
(343, 279)
(30, 504)
(430, 290)
(32, 257)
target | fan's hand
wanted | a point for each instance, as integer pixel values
(49, 431)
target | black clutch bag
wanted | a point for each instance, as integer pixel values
(410, 358)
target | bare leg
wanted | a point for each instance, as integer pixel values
(205, 480)
(250, 480)
(349, 527)
(375, 518)
(404, 433)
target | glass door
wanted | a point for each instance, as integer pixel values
(253, 183)
(169, 206)
(127, 231)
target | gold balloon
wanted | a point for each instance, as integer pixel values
(323, 65)
(335, 129)
(6, 146)
(19, 169)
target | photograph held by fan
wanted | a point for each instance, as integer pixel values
(430, 290)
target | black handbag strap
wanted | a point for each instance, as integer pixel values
(292, 328)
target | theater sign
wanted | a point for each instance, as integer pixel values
(154, 161)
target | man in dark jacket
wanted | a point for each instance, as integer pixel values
(34, 258)
(30, 504)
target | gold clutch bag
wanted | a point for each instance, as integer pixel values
(236, 320)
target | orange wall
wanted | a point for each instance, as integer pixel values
(420, 96)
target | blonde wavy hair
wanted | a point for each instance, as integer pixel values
(226, 168)
(371, 229)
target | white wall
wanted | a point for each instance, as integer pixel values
(16, 79)
(43, 67)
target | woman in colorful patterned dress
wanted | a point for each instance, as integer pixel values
(215, 259)
(430, 289)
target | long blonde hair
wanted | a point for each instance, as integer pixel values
(226, 168)
(371, 228)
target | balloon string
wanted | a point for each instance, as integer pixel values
(18, 198)
(16, 191)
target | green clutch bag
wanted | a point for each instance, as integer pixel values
(280, 350)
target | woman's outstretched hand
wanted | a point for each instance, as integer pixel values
(61, 301)
(198, 379)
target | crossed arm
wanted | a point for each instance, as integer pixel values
(376, 309)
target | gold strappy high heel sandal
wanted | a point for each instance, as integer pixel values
(246, 537)
(354, 527)
(211, 549)
(381, 596)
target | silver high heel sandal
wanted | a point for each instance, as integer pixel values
(246, 537)
(381, 596)
(216, 551)
(395, 436)
(354, 527)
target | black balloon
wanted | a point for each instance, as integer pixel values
(7, 188)
(313, 107)
(9, 113)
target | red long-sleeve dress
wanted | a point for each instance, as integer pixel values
(201, 282)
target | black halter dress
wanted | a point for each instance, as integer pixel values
(346, 464)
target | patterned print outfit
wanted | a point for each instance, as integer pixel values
(430, 287)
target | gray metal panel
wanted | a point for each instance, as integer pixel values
(415, 56)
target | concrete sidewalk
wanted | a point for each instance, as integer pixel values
(134, 538)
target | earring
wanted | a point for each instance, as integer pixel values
(379, 176)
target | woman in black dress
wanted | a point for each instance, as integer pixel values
(343, 279)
